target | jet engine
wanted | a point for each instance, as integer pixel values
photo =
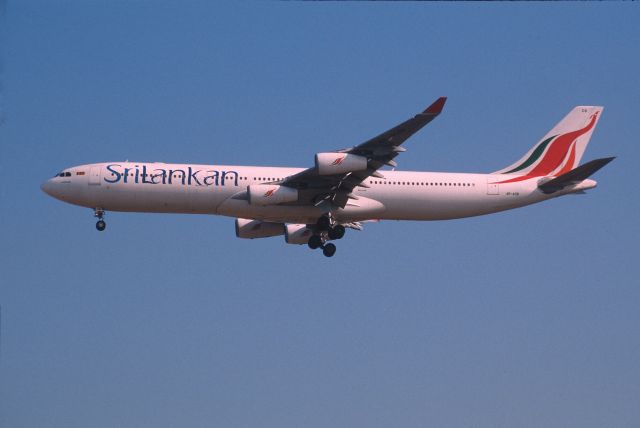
(337, 163)
(251, 229)
(271, 194)
(297, 234)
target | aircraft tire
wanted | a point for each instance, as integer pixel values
(314, 242)
(329, 250)
(336, 232)
(101, 225)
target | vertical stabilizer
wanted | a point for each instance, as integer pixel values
(562, 148)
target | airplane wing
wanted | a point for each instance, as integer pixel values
(316, 186)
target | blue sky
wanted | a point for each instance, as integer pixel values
(525, 318)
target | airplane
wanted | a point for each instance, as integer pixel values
(342, 190)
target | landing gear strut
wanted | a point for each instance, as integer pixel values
(324, 222)
(99, 214)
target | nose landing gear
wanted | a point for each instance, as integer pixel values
(100, 224)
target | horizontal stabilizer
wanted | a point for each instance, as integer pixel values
(574, 176)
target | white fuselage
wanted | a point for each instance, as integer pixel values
(217, 189)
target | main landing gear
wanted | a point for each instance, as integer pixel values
(326, 230)
(99, 214)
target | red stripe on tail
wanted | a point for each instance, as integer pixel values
(556, 153)
(559, 148)
(569, 165)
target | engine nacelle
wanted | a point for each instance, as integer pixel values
(271, 194)
(297, 234)
(251, 229)
(337, 163)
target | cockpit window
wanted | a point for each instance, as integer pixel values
(67, 174)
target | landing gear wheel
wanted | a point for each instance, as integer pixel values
(336, 232)
(329, 250)
(315, 242)
(99, 214)
(324, 223)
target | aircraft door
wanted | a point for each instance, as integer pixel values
(94, 175)
(492, 188)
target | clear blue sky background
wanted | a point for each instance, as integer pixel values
(526, 318)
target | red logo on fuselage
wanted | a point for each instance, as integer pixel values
(269, 193)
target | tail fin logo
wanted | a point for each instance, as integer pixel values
(552, 152)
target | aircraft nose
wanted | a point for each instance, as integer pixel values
(47, 187)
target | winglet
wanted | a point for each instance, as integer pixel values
(436, 107)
